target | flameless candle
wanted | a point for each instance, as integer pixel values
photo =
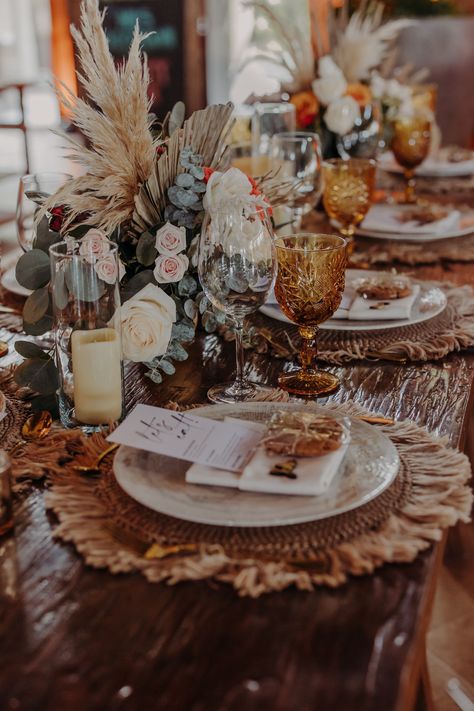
(253, 165)
(97, 371)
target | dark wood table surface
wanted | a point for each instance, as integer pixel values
(82, 639)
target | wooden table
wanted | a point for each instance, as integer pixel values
(76, 638)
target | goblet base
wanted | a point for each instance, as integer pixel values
(231, 392)
(316, 383)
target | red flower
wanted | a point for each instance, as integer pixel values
(160, 150)
(57, 218)
(207, 174)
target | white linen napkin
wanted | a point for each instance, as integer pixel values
(393, 309)
(346, 303)
(384, 218)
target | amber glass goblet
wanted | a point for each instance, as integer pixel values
(309, 287)
(348, 193)
(410, 146)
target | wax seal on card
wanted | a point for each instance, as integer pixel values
(384, 286)
(303, 434)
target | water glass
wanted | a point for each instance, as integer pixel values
(298, 157)
(86, 309)
(237, 267)
(268, 120)
(32, 191)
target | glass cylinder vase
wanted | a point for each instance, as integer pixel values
(86, 309)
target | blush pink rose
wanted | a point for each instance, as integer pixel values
(106, 269)
(170, 239)
(170, 268)
(94, 245)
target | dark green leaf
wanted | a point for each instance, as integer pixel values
(39, 375)
(45, 402)
(44, 236)
(36, 305)
(60, 292)
(33, 270)
(176, 119)
(79, 231)
(42, 326)
(27, 349)
(82, 281)
(146, 250)
(137, 283)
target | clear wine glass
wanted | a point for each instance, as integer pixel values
(237, 269)
(32, 191)
(298, 156)
(268, 120)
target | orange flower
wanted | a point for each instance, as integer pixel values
(360, 92)
(307, 108)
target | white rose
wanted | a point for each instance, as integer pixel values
(94, 245)
(106, 268)
(377, 86)
(331, 83)
(146, 322)
(170, 268)
(342, 114)
(231, 189)
(170, 239)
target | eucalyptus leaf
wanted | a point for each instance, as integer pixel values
(33, 269)
(183, 331)
(199, 186)
(204, 303)
(167, 367)
(197, 171)
(82, 281)
(155, 376)
(27, 349)
(220, 316)
(39, 375)
(36, 305)
(176, 351)
(181, 197)
(185, 180)
(237, 283)
(177, 115)
(187, 286)
(60, 292)
(137, 283)
(44, 236)
(146, 250)
(209, 322)
(190, 309)
(42, 326)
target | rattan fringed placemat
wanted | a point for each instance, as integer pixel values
(380, 253)
(112, 531)
(451, 331)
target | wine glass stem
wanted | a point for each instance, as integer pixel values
(410, 197)
(309, 349)
(239, 356)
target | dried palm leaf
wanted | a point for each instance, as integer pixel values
(114, 117)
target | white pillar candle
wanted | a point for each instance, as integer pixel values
(253, 165)
(97, 372)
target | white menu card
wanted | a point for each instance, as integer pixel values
(225, 445)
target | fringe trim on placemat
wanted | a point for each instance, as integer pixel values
(451, 331)
(439, 497)
(15, 413)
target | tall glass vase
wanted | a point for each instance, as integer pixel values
(86, 308)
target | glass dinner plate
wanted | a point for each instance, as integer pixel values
(430, 303)
(158, 482)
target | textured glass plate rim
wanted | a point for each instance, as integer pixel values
(388, 163)
(127, 480)
(274, 311)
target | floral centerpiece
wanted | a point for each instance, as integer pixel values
(143, 188)
(330, 86)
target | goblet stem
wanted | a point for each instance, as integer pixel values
(297, 217)
(239, 384)
(309, 349)
(410, 197)
(347, 231)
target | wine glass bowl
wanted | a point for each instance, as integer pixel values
(237, 268)
(309, 287)
(297, 155)
(32, 191)
(410, 146)
(348, 192)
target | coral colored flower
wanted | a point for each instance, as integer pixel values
(207, 173)
(307, 108)
(360, 92)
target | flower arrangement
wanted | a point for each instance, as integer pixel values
(329, 89)
(144, 188)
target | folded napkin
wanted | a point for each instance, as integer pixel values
(315, 474)
(346, 303)
(393, 309)
(445, 168)
(384, 218)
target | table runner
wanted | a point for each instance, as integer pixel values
(430, 494)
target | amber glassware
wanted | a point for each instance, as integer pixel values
(410, 146)
(309, 287)
(348, 193)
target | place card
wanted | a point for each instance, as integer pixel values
(182, 435)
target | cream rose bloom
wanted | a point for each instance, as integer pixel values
(231, 188)
(94, 245)
(106, 268)
(170, 239)
(341, 115)
(146, 322)
(170, 268)
(331, 83)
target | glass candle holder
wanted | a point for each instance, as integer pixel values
(32, 191)
(268, 120)
(410, 146)
(6, 510)
(348, 193)
(86, 309)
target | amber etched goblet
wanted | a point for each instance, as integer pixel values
(410, 146)
(348, 193)
(309, 287)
